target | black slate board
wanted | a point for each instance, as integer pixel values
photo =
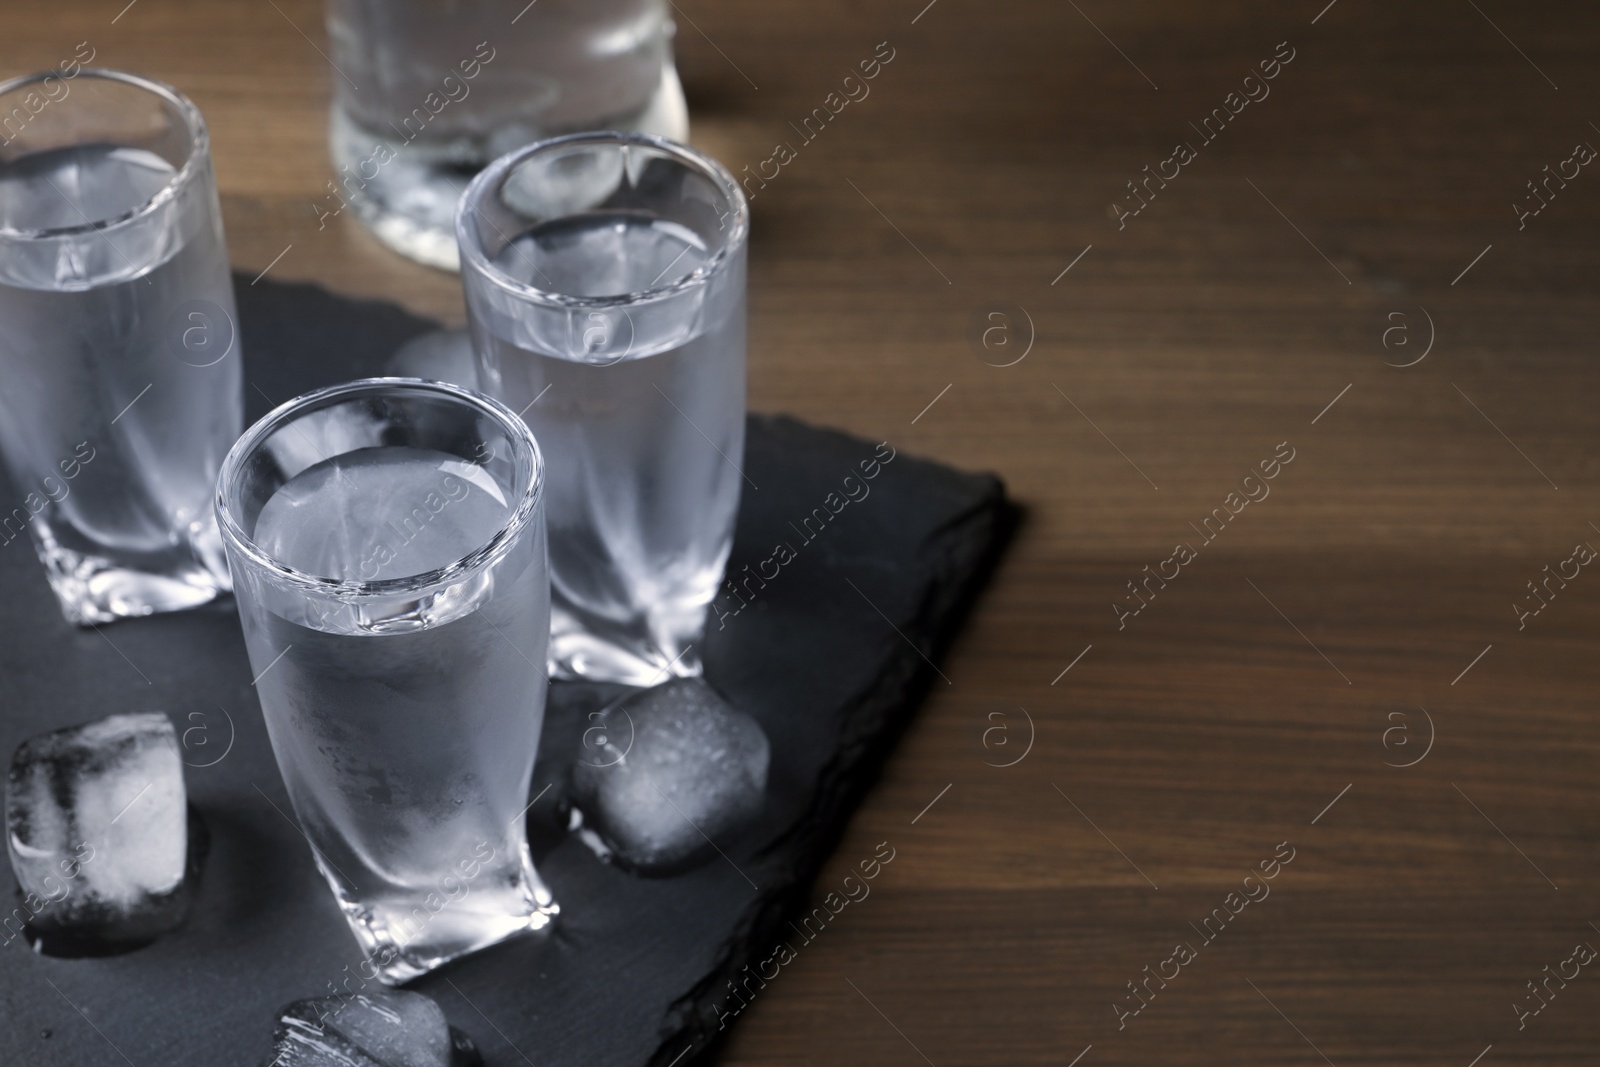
(635, 970)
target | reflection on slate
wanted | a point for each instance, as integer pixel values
(636, 968)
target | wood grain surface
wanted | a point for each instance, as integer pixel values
(1363, 607)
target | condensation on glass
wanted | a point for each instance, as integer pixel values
(427, 92)
(120, 370)
(387, 541)
(605, 285)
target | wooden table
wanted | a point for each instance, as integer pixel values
(1363, 615)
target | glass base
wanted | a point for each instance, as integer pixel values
(410, 203)
(94, 589)
(407, 937)
(586, 648)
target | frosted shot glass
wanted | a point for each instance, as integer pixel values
(120, 373)
(428, 93)
(605, 287)
(387, 543)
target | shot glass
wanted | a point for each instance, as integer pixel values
(120, 374)
(388, 552)
(605, 287)
(427, 93)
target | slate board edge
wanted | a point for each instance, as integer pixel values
(898, 691)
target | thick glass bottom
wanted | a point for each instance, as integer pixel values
(94, 589)
(409, 203)
(645, 653)
(407, 935)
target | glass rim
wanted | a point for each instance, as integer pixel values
(199, 149)
(491, 551)
(471, 245)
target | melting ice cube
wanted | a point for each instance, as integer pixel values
(381, 1028)
(97, 829)
(665, 771)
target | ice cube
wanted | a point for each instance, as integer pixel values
(440, 355)
(97, 828)
(666, 771)
(380, 1028)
